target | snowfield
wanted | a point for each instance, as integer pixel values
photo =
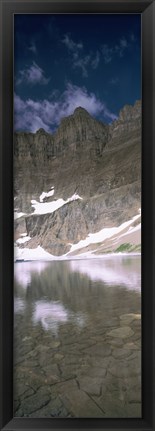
(103, 234)
(50, 207)
(46, 207)
(18, 215)
(46, 195)
(32, 254)
(40, 254)
(23, 240)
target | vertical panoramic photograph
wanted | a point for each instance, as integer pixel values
(77, 215)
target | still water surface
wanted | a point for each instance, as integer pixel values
(77, 338)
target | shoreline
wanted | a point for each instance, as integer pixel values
(80, 257)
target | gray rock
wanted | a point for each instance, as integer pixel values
(134, 396)
(99, 350)
(81, 405)
(121, 353)
(126, 319)
(122, 332)
(96, 372)
(133, 410)
(35, 402)
(112, 406)
(91, 385)
(125, 369)
(102, 163)
(54, 408)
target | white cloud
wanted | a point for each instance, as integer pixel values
(33, 48)
(132, 37)
(118, 50)
(121, 47)
(114, 81)
(28, 115)
(96, 60)
(82, 64)
(107, 53)
(123, 43)
(80, 61)
(70, 44)
(32, 75)
(31, 115)
(19, 104)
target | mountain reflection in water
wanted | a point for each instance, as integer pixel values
(70, 291)
(78, 332)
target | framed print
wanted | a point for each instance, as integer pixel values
(77, 217)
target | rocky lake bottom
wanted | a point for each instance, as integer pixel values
(77, 338)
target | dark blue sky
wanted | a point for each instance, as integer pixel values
(64, 61)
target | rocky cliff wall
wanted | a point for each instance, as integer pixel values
(101, 163)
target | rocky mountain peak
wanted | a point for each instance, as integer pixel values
(81, 130)
(81, 111)
(79, 115)
(78, 135)
(40, 131)
(129, 113)
(99, 163)
(129, 121)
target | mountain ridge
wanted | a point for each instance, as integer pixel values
(99, 163)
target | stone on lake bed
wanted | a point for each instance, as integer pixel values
(116, 342)
(54, 344)
(27, 338)
(136, 324)
(131, 346)
(128, 318)
(122, 332)
(35, 401)
(91, 385)
(96, 372)
(102, 350)
(125, 369)
(53, 409)
(58, 356)
(80, 404)
(121, 353)
(133, 410)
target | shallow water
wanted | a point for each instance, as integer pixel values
(77, 338)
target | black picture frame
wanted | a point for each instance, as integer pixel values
(7, 10)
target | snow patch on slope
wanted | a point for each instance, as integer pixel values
(50, 207)
(32, 254)
(46, 195)
(100, 236)
(18, 215)
(40, 254)
(23, 240)
(131, 230)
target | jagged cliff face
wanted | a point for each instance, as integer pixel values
(73, 136)
(97, 162)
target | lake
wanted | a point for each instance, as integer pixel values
(77, 338)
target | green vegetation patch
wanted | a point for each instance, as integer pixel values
(128, 247)
(124, 247)
(137, 248)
